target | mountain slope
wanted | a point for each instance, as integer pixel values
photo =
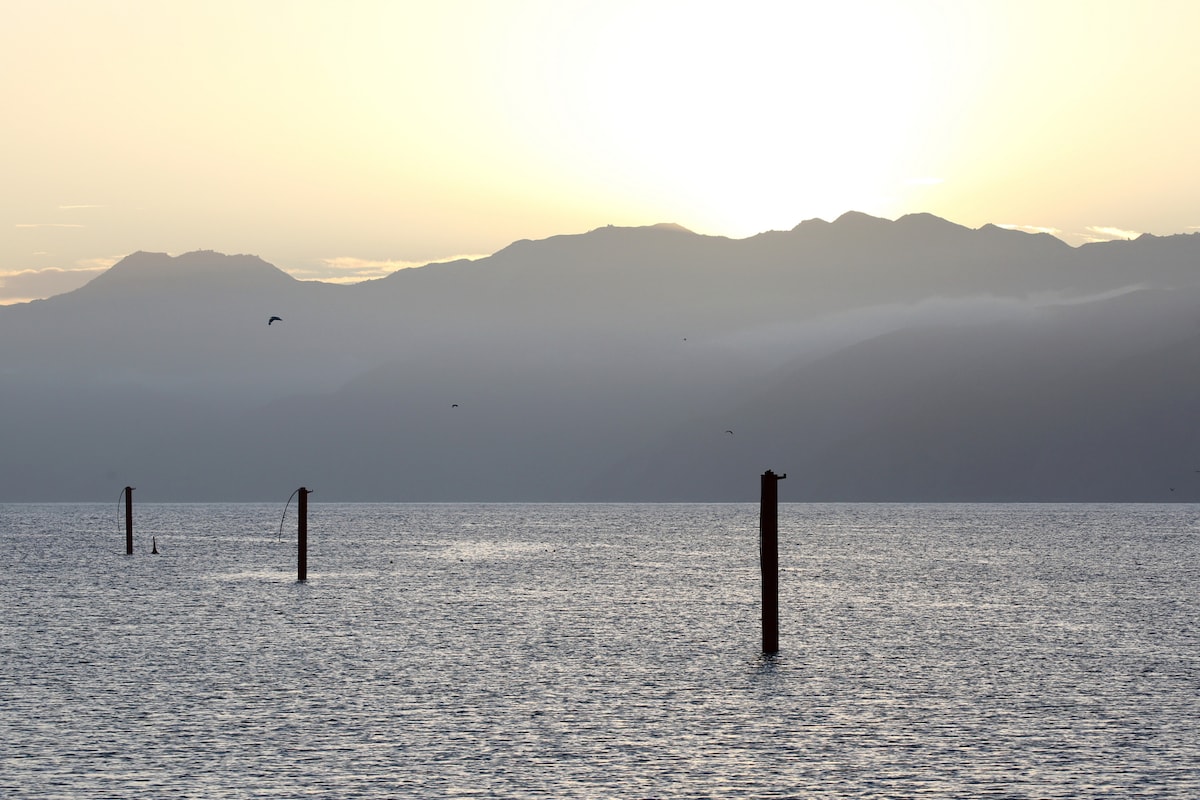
(1074, 403)
(868, 359)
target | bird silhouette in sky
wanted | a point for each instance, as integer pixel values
(454, 405)
(730, 433)
(273, 319)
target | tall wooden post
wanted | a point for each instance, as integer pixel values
(768, 557)
(128, 520)
(302, 537)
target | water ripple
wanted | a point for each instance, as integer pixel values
(600, 651)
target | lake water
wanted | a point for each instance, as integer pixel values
(950, 651)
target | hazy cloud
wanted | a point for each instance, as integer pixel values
(925, 181)
(78, 205)
(47, 225)
(823, 334)
(22, 286)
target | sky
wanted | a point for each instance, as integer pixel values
(345, 140)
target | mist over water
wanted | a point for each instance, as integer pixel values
(944, 651)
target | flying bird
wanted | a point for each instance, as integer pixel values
(730, 433)
(454, 405)
(272, 319)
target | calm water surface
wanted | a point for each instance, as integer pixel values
(600, 651)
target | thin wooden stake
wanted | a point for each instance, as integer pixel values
(302, 536)
(128, 520)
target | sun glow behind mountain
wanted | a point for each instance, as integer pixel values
(739, 123)
(401, 132)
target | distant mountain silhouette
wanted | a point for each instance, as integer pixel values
(197, 270)
(913, 359)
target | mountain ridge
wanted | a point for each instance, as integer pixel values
(871, 359)
(197, 267)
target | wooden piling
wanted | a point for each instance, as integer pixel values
(768, 555)
(302, 536)
(128, 520)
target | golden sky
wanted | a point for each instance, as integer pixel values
(338, 139)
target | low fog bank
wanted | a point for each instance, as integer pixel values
(1075, 403)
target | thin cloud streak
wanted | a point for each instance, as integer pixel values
(1102, 233)
(349, 269)
(26, 285)
(1032, 229)
(88, 264)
